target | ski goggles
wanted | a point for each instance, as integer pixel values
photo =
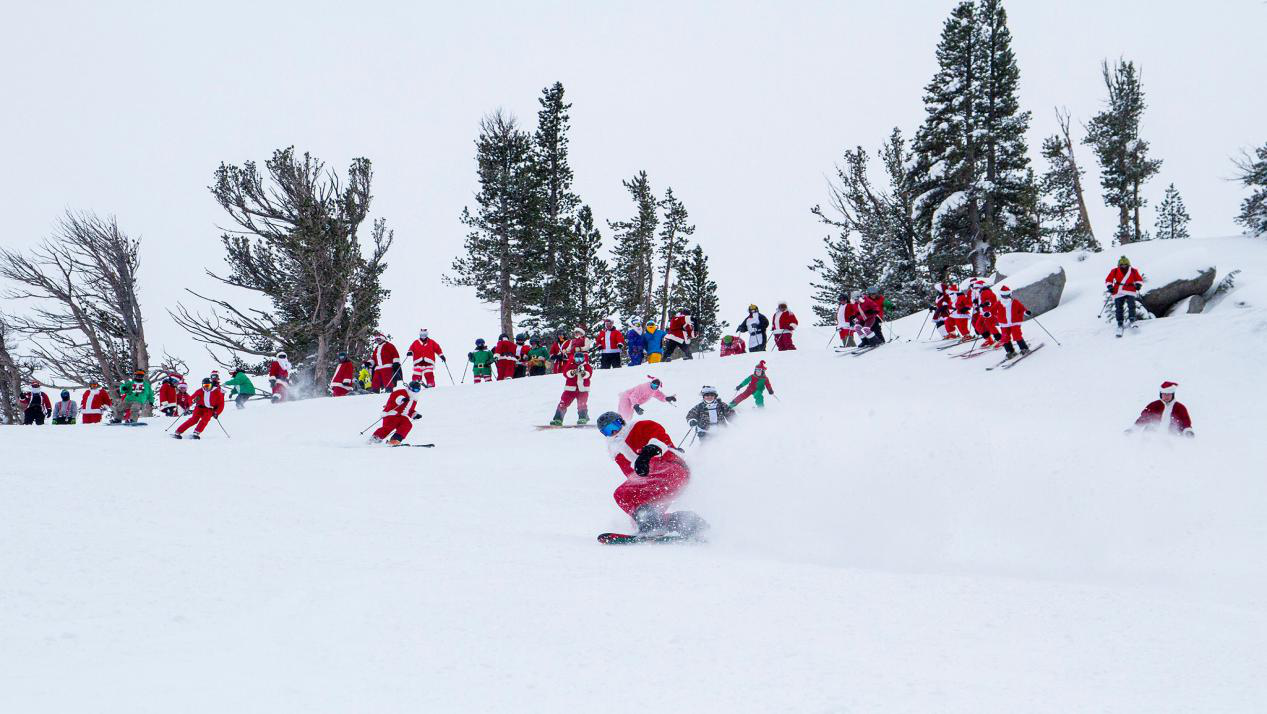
(611, 428)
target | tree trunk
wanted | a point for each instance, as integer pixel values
(1135, 201)
(1083, 215)
(1124, 223)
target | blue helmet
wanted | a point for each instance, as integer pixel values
(610, 423)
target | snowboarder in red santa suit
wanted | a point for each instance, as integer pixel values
(399, 414)
(679, 335)
(507, 357)
(425, 351)
(1166, 413)
(576, 388)
(386, 365)
(1009, 314)
(784, 323)
(208, 402)
(279, 377)
(655, 475)
(343, 382)
(94, 403)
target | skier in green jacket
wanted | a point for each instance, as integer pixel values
(243, 388)
(135, 394)
(754, 385)
(538, 358)
(482, 360)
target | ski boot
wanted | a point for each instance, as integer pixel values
(558, 418)
(1011, 353)
(195, 436)
(582, 419)
(1024, 347)
(650, 521)
(177, 436)
(395, 441)
(686, 523)
(373, 440)
(1119, 330)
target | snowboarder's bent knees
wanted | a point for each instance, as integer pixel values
(654, 475)
(399, 414)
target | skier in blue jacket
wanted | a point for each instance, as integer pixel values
(655, 341)
(636, 343)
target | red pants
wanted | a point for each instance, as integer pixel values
(665, 479)
(483, 378)
(582, 400)
(382, 378)
(957, 323)
(279, 391)
(92, 418)
(783, 341)
(339, 390)
(1011, 334)
(397, 423)
(986, 326)
(426, 375)
(198, 421)
(505, 369)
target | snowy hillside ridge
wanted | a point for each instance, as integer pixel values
(898, 531)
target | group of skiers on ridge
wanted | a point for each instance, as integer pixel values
(993, 319)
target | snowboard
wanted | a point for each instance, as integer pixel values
(416, 446)
(1009, 363)
(124, 423)
(627, 539)
(543, 427)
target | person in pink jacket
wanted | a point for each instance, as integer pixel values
(631, 400)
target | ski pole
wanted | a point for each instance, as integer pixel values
(1053, 337)
(1107, 300)
(682, 441)
(169, 426)
(921, 326)
(831, 338)
(468, 364)
(446, 369)
(226, 434)
(371, 426)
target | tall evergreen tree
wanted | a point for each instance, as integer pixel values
(970, 169)
(555, 305)
(837, 274)
(1066, 224)
(1123, 155)
(1253, 175)
(502, 250)
(1172, 217)
(591, 291)
(695, 291)
(674, 230)
(633, 255)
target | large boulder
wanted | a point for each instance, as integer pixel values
(1039, 286)
(1178, 277)
(1190, 305)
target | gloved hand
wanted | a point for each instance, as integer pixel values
(691, 422)
(416, 417)
(643, 464)
(443, 358)
(1108, 289)
(638, 410)
(470, 356)
(1138, 286)
(671, 399)
(1028, 313)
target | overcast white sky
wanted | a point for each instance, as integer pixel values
(742, 107)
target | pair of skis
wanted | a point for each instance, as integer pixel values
(1011, 362)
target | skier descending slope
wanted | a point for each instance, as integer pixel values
(709, 413)
(1165, 411)
(1011, 313)
(655, 475)
(386, 364)
(754, 385)
(343, 382)
(399, 414)
(279, 378)
(576, 388)
(632, 399)
(208, 403)
(1123, 284)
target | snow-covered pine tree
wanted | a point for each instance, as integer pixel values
(969, 172)
(695, 291)
(553, 304)
(1123, 155)
(674, 229)
(888, 256)
(1067, 224)
(1253, 175)
(1172, 217)
(633, 256)
(502, 250)
(837, 274)
(592, 288)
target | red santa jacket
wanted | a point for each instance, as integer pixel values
(184, 400)
(212, 399)
(95, 401)
(524, 352)
(610, 340)
(25, 401)
(983, 299)
(1124, 282)
(872, 307)
(681, 328)
(962, 306)
(1180, 422)
(166, 395)
(577, 374)
(385, 355)
(1009, 312)
(505, 349)
(424, 352)
(625, 446)
(581, 344)
(279, 371)
(735, 347)
(400, 403)
(784, 321)
(344, 375)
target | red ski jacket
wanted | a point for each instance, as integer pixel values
(1124, 282)
(1180, 422)
(625, 446)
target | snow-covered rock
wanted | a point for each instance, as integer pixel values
(1190, 305)
(1174, 278)
(1038, 286)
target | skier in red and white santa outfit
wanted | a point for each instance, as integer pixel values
(94, 402)
(507, 357)
(1166, 411)
(425, 351)
(184, 400)
(941, 309)
(1009, 314)
(386, 365)
(960, 313)
(579, 342)
(655, 474)
(984, 320)
(208, 403)
(679, 335)
(166, 396)
(783, 324)
(35, 404)
(576, 388)
(632, 399)
(610, 342)
(399, 414)
(343, 382)
(279, 377)
(1123, 284)
(847, 314)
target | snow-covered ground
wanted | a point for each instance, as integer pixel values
(897, 532)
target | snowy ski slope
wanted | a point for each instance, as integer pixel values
(899, 532)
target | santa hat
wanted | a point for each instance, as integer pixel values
(761, 364)
(579, 331)
(1005, 291)
(1168, 387)
(182, 385)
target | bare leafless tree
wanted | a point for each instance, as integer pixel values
(296, 244)
(14, 370)
(85, 323)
